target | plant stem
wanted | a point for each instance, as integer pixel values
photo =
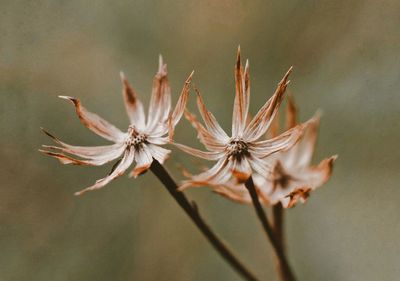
(193, 212)
(278, 217)
(285, 271)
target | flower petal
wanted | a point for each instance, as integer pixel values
(176, 115)
(282, 142)
(143, 159)
(208, 155)
(242, 98)
(220, 173)
(304, 149)
(241, 170)
(159, 153)
(315, 177)
(134, 107)
(211, 123)
(205, 137)
(124, 164)
(89, 152)
(95, 123)
(160, 102)
(262, 120)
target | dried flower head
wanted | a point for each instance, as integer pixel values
(292, 177)
(243, 152)
(141, 143)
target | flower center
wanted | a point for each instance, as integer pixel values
(135, 138)
(237, 148)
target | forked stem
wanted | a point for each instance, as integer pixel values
(192, 211)
(285, 271)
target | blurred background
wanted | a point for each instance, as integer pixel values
(346, 62)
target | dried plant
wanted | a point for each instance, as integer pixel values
(243, 153)
(275, 171)
(143, 139)
(292, 177)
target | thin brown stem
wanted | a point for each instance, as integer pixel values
(278, 219)
(285, 271)
(192, 211)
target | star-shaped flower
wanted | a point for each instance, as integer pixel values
(241, 153)
(143, 139)
(293, 177)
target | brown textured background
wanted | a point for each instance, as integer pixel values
(346, 59)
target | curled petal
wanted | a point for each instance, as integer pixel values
(300, 194)
(89, 152)
(95, 123)
(160, 101)
(291, 113)
(262, 167)
(315, 177)
(262, 120)
(241, 170)
(143, 159)
(211, 123)
(220, 173)
(134, 107)
(304, 149)
(242, 97)
(124, 164)
(93, 161)
(198, 153)
(282, 142)
(159, 153)
(210, 142)
(176, 115)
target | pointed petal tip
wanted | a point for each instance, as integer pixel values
(75, 101)
(122, 75)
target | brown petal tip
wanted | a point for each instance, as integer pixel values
(71, 99)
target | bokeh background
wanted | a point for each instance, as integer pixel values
(346, 60)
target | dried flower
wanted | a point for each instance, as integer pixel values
(292, 178)
(143, 139)
(243, 152)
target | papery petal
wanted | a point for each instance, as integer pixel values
(220, 173)
(260, 166)
(134, 107)
(241, 103)
(210, 141)
(208, 155)
(92, 161)
(291, 199)
(305, 147)
(315, 177)
(283, 142)
(291, 113)
(241, 170)
(158, 153)
(262, 120)
(143, 159)
(124, 164)
(176, 115)
(160, 102)
(95, 123)
(158, 140)
(88, 152)
(211, 123)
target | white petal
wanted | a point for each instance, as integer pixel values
(134, 107)
(158, 153)
(95, 123)
(118, 171)
(143, 159)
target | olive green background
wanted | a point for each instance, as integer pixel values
(346, 62)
